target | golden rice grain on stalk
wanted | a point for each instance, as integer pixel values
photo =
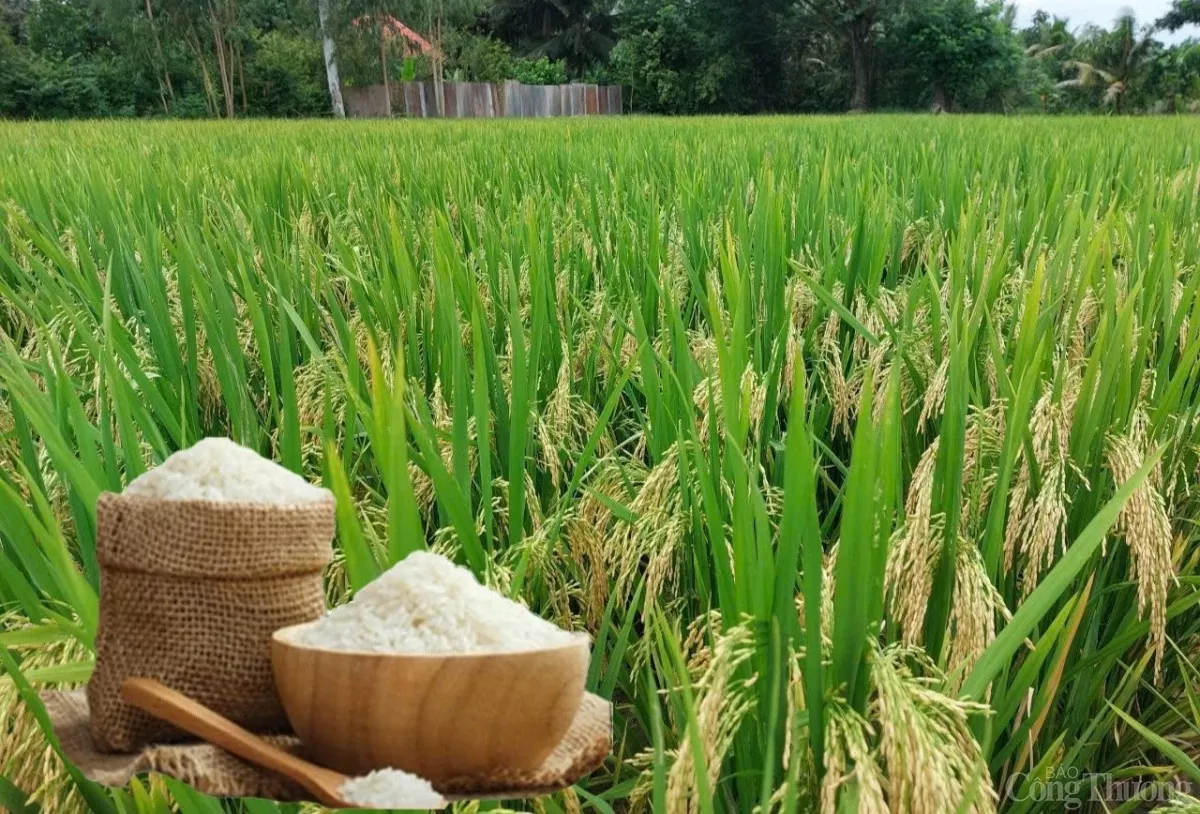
(842, 393)
(932, 761)
(570, 801)
(585, 546)
(914, 552)
(1037, 525)
(849, 757)
(828, 570)
(774, 497)
(801, 785)
(1085, 324)
(864, 311)
(793, 357)
(880, 372)
(1044, 525)
(703, 349)
(1179, 803)
(1147, 530)
(1072, 389)
(627, 352)
(709, 401)
(208, 382)
(674, 281)
(565, 424)
(499, 506)
(610, 480)
(995, 349)
(801, 304)
(935, 393)
(1176, 298)
(696, 648)
(443, 424)
(914, 238)
(918, 544)
(722, 702)
(26, 758)
(321, 378)
(541, 553)
(651, 544)
(972, 624)
(1140, 425)
(337, 580)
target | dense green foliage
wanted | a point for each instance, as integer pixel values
(863, 448)
(181, 58)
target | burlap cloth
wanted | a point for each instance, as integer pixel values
(214, 771)
(190, 593)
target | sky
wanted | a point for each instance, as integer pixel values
(1103, 12)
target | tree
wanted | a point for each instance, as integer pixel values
(1183, 12)
(967, 54)
(1170, 83)
(1046, 41)
(854, 20)
(204, 28)
(668, 60)
(1116, 59)
(579, 32)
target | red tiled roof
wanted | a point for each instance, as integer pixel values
(393, 28)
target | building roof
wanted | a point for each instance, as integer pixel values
(393, 28)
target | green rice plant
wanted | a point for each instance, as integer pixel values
(862, 449)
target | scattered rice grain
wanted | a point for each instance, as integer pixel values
(391, 788)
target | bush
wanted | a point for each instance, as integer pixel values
(190, 106)
(541, 71)
(32, 87)
(286, 77)
(475, 58)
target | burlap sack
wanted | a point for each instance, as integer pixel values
(214, 771)
(190, 593)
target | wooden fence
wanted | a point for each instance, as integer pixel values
(482, 100)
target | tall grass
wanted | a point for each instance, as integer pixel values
(863, 448)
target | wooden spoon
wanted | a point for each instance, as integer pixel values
(176, 708)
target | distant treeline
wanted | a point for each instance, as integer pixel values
(234, 58)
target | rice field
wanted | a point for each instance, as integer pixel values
(863, 447)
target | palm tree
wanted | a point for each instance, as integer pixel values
(1047, 41)
(1118, 57)
(579, 32)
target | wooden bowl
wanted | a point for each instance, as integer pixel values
(435, 715)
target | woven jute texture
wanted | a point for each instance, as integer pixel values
(213, 771)
(190, 593)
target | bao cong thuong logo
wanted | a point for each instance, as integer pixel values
(1073, 789)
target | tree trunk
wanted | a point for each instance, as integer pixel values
(210, 94)
(860, 59)
(439, 81)
(387, 84)
(223, 62)
(241, 69)
(940, 103)
(331, 68)
(162, 60)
